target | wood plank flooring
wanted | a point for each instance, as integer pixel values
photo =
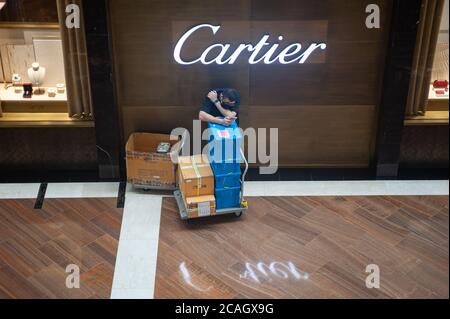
(36, 246)
(308, 247)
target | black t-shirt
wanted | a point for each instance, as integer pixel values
(211, 109)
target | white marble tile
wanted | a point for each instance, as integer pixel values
(82, 190)
(17, 191)
(418, 187)
(135, 265)
(142, 215)
(132, 294)
(346, 188)
(142, 218)
(135, 271)
(254, 188)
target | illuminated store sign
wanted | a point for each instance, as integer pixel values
(291, 54)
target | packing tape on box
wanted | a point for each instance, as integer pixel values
(197, 173)
(199, 176)
(198, 166)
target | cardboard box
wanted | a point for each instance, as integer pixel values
(195, 177)
(146, 167)
(200, 206)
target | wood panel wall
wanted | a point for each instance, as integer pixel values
(425, 146)
(325, 110)
(47, 149)
(29, 11)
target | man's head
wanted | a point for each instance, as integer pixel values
(230, 96)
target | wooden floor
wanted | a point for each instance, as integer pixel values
(36, 246)
(308, 247)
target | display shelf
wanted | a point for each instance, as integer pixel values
(430, 118)
(41, 120)
(9, 95)
(29, 25)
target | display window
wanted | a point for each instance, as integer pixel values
(429, 85)
(439, 76)
(44, 78)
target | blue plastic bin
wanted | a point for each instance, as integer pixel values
(225, 168)
(228, 197)
(225, 158)
(224, 143)
(231, 179)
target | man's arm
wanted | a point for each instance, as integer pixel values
(205, 117)
(226, 113)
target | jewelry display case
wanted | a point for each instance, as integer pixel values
(439, 84)
(33, 64)
(31, 68)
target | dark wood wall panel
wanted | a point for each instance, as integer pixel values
(303, 144)
(340, 140)
(290, 10)
(425, 146)
(29, 11)
(343, 83)
(337, 88)
(48, 149)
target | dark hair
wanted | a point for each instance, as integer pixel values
(231, 94)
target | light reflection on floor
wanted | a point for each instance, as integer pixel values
(255, 273)
(274, 269)
(188, 280)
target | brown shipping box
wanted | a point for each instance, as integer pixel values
(147, 167)
(195, 176)
(200, 206)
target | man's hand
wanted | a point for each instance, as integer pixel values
(212, 96)
(226, 121)
(205, 117)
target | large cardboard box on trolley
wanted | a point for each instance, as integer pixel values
(195, 177)
(146, 167)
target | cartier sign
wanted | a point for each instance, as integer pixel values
(219, 53)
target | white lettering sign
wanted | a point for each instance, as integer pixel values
(291, 54)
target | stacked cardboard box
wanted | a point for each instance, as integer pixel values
(196, 181)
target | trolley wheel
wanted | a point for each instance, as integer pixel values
(238, 214)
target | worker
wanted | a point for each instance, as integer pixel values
(221, 106)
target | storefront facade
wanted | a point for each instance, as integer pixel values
(332, 76)
(325, 108)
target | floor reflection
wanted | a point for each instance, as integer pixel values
(306, 247)
(188, 280)
(256, 273)
(275, 269)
